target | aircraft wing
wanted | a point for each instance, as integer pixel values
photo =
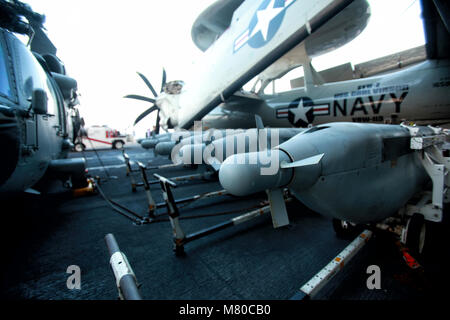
(260, 33)
(212, 22)
(239, 99)
(436, 21)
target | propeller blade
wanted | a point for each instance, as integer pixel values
(157, 122)
(163, 82)
(138, 97)
(145, 113)
(304, 162)
(148, 84)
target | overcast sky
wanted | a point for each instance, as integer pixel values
(104, 42)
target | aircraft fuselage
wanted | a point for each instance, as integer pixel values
(419, 94)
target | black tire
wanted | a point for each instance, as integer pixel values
(79, 147)
(118, 144)
(345, 230)
(416, 233)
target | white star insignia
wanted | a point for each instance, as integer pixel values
(300, 112)
(265, 16)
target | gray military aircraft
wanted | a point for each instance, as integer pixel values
(212, 23)
(38, 116)
(251, 47)
(385, 98)
(236, 111)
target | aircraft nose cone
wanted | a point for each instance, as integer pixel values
(247, 173)
(149, 143)
(164, 148)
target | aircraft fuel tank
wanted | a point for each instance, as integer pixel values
(354, 172)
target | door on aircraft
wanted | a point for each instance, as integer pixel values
(44, 131)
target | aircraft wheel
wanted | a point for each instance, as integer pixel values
(344, 229)
(416, 230)
(118, 145)
(79, 147)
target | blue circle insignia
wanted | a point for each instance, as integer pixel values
(261, 31)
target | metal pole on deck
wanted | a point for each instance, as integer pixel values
(125, 278)
(172, 211)
(151, 201)
(129, 171)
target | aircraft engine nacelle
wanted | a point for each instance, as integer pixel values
(354, 172)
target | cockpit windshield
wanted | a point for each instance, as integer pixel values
(5, 87)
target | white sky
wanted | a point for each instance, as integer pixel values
(104, 42)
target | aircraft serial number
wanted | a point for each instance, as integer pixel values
(368, 119)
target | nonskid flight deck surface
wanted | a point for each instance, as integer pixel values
(47, 235)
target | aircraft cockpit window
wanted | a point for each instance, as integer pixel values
(5, 87)
(34, 77)
(292, 79)
(51, 95)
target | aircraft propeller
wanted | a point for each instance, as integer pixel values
(148, 99)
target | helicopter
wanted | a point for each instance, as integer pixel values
(39, 120)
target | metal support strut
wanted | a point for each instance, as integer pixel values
(143, 168)
(125, 278)
(129, 171)
(172, 211)
(151, 201)
(433, 155)
(179, 237)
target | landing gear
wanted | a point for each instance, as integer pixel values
(416, 230)
(344, 229)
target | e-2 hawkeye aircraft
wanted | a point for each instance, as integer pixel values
(387, 98)
(267, 38)
(39, 120)
(236, 111)
(209, 31)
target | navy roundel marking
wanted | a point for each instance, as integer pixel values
(307, 103)
(257, 41)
